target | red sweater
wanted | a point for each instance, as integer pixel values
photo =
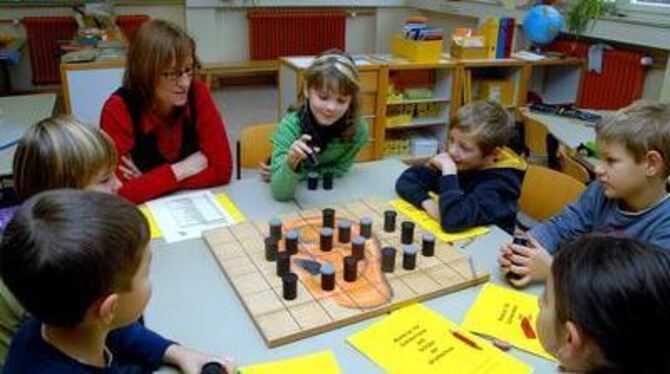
(116, 122)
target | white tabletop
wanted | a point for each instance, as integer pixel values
(568, 131)
(17, 113)
(194, 303)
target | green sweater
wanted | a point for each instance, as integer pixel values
(337, 158)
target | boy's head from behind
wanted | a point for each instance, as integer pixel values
(635, 145)
(606, 306)
(477, 132)
(61, 152)
(68, 254)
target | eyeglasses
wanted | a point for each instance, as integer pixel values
(173, 76)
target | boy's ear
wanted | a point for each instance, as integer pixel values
(107, 307)
(655, 163)
(574, 340)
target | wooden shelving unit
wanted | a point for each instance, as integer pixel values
(452, 83)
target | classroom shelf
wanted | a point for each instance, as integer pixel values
(417, 101)
(452, 83)
(421, 123)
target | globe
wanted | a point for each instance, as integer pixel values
(542, 24)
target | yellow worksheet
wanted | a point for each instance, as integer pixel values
(323, 362)
(416, 339)
(508, 315)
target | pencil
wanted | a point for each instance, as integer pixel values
(465, 339)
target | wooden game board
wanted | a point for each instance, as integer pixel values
(240, 251)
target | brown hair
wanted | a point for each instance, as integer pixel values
(488, 120)
(65, 249)
(156, 46)
(334, 70)
(641, 127)
(617, 292)
(61, 152)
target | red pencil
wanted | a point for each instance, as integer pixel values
(465, 339)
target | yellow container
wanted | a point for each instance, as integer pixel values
(467, 53)
(417, 50)
(501, 91)
(399, 120)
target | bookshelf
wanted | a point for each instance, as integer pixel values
(444, 86)
(494, 79)
(557, 80)
(417, 109)
(291, 70)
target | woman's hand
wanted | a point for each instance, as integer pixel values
(299, 151)
(128, 168)
(189, 166)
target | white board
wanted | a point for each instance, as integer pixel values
(89, 89)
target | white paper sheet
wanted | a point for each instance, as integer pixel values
(185, 216)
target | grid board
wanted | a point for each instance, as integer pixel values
(240, 252)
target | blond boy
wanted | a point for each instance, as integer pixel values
(628, 199)
(477, 180)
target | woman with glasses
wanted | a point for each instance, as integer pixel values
(167, 130)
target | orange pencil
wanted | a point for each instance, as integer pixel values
(465, 339)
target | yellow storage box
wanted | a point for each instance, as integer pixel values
(417, 50)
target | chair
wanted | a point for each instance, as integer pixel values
(545, 192)
(535, 137)
(254, 146)
(572, 167)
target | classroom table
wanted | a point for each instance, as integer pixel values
(569, 132)
(17, 113)
(194, 304)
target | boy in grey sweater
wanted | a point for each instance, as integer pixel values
(628, 198)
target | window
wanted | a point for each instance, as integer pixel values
(646, 6)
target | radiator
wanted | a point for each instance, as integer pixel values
(620, 83)
(44, 35)
(281, 32)
(129, 25)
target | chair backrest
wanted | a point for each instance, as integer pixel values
(254, 145)
(535, 137)
(545, 192)
(572, 167)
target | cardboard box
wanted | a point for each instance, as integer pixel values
(417, 50)
(469, 47)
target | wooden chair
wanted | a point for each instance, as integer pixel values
(254, 146)
(535, 137)
(572, 167)
(545, 192)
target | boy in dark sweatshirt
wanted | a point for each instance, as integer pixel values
(477, 180)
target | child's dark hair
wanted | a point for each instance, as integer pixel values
(65, 249)
(617, 292)
(333, 70)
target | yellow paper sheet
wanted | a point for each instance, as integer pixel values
(221, 198)
(153, 227)
(499, 311)
(430, 224)
(416, 339)
(323, 362)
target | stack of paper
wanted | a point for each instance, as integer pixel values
(416, 339)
